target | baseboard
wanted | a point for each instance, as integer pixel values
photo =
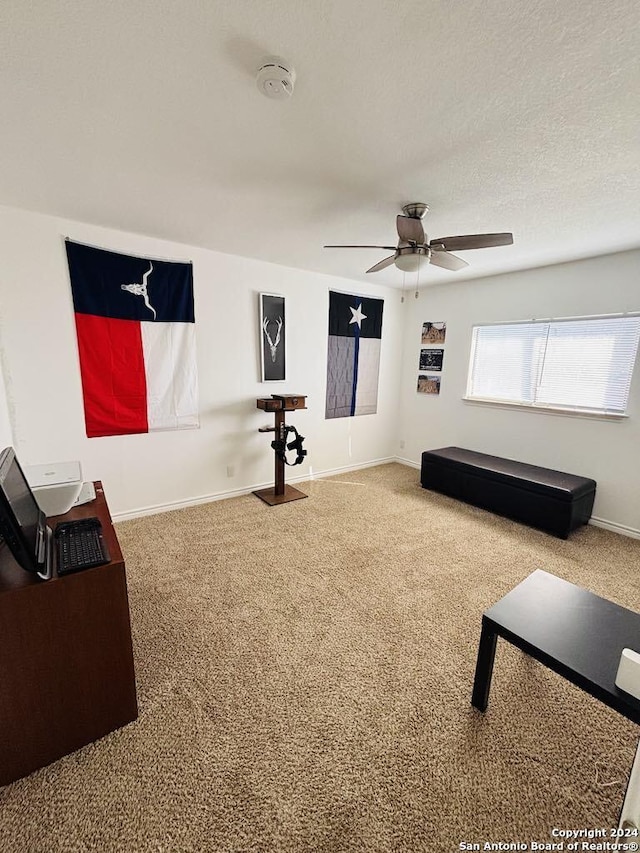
(622, 529)
(154, 509)
(344, 469)
(408, 462)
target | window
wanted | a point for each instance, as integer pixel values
(577, 365)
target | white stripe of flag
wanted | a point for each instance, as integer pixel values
(172, 380)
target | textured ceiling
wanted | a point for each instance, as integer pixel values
(502, 116)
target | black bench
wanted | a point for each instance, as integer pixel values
(550, 500)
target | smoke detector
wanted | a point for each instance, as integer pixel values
(276, 78)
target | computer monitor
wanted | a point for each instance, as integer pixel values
(23, 524)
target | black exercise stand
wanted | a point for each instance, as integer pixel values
(279, 404)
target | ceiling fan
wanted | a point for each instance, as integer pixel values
(414, 248)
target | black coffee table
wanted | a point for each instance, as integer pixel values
(569, 629)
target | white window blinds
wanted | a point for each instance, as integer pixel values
(584, 365)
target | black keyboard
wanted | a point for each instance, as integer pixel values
(79, 545)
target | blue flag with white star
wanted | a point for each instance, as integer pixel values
(353, 357)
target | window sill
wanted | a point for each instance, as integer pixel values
(547, 410)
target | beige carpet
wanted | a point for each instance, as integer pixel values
(304, 676)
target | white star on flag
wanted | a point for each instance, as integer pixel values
(358, 316)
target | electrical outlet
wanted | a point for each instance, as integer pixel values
(230, 471)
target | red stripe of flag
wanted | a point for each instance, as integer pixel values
(114, 385)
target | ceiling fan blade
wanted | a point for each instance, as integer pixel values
(446, 260)
(391, 248)
(382, 264)
(410, 229)
(472, 241)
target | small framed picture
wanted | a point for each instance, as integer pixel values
(428, 384)
(273, 361)
(431, 359)
(434, 333)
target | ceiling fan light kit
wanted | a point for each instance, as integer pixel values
(414, 249)
(409, 260)
(276, 78)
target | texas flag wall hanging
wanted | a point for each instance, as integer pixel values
(136, 341)
(353, 355)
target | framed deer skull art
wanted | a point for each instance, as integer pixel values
(272, 338)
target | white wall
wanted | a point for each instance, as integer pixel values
(6, 436)
(141, 471)
(608, 451)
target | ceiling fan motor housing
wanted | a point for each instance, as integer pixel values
(276, 78)
(415, 210)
